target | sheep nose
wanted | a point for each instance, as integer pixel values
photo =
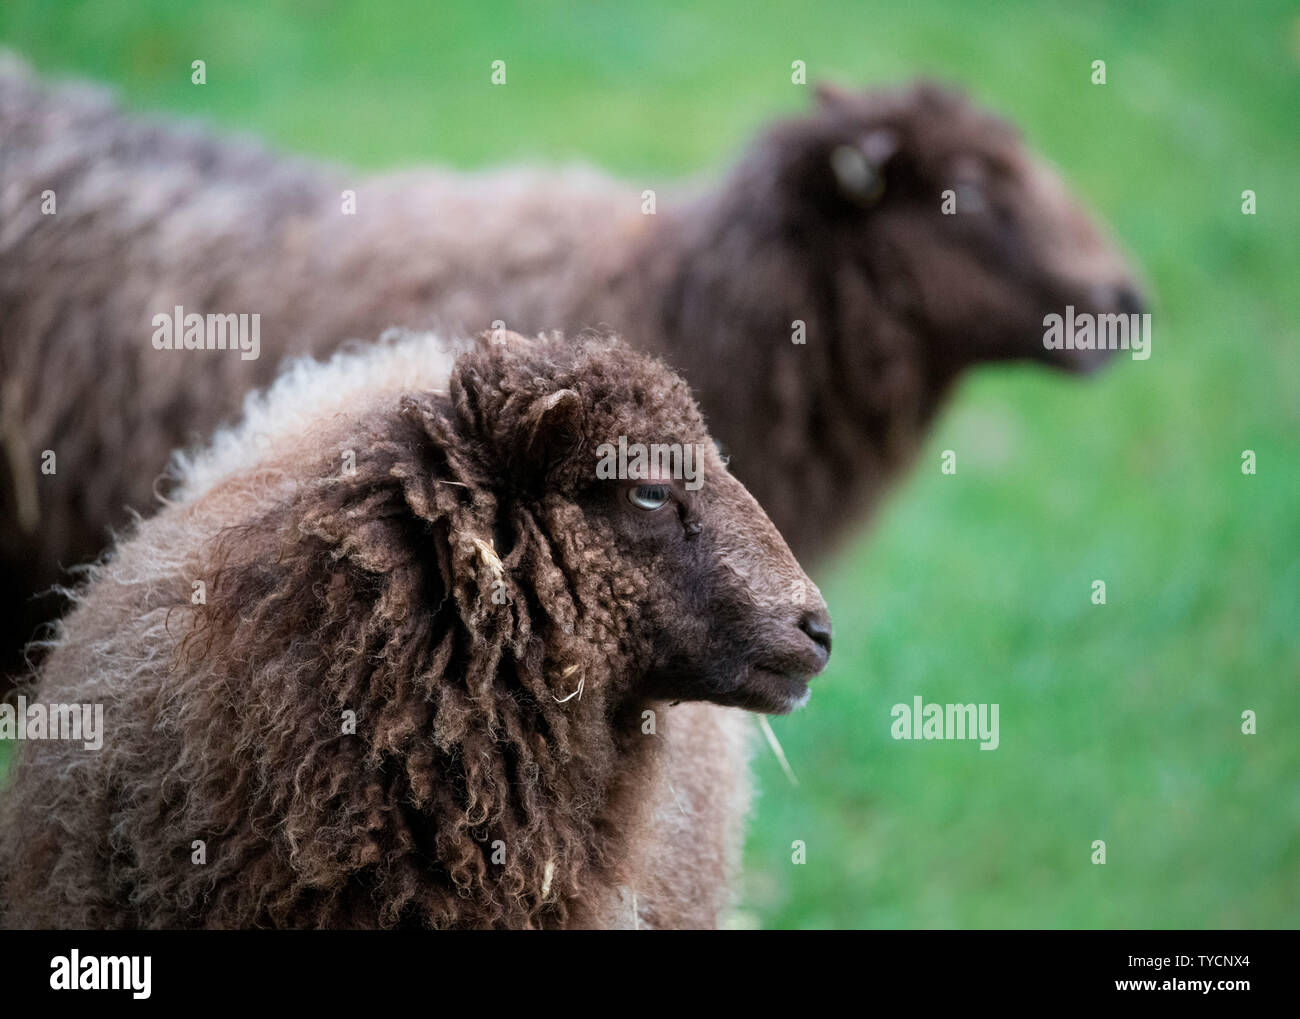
(1122, 298)
(1129, 301)
(816, 623)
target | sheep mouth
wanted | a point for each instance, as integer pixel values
(1119, 306)
(1078, 362)
(774, 690)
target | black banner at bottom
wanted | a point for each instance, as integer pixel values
(149, 969)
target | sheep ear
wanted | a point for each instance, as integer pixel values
(554, 428)
(831, 96)
(881, 145)
(854, 173)
(860, 169)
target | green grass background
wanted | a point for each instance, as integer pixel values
(1119, 722)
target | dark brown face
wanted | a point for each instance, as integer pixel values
(677, 575)
(729, 616)
(958, 227)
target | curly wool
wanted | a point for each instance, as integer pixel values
(477, 791)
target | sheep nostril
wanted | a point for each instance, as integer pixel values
(1129, 301)
(817, 625)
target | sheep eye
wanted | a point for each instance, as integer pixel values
(648, 497)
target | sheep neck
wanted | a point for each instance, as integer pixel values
(817, 422)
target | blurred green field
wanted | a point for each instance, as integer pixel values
(1119, 722)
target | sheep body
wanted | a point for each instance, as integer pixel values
(894, 302)
(328, 592)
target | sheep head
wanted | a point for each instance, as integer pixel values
(612, 503)
(937, 211)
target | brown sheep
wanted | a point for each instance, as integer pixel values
(832, 219)
(510, 628)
